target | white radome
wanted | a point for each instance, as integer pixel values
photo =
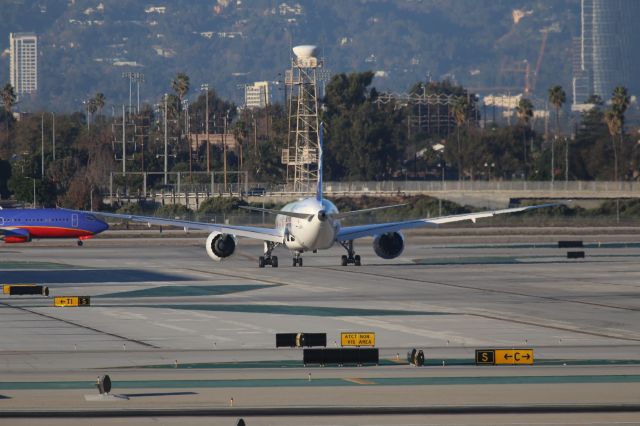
(305, 51)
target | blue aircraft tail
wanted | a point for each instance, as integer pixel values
(319, 184)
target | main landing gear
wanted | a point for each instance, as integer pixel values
(80, 243)
(351, 258)
(267, 259)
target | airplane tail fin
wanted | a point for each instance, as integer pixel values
(320, 155)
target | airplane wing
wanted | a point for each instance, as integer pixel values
(276, 212)
(343, 215)
(19, 232)
(258, 233)
(353, 232)
(13, 232)
(310, 216)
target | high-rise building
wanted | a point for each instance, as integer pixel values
(608, 50)
(257, 95)
(23, 62)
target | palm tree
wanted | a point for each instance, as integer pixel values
(460, 112)
(8, 96)
(614, 123)
(557, 98)
(620, 100)
(524, 110)
(180, 85)
(99, 100)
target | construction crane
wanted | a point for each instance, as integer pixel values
(554, 28)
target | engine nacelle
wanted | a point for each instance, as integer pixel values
(220, 245)
(389, 245)
(16, 240)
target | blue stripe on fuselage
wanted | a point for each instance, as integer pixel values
(51, 218)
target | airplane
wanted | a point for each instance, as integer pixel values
(312, 224)
(22, 225)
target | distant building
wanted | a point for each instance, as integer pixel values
(257, 95)
(607, 54)
(23, 53)
(156, 9)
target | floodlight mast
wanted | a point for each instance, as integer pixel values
(301, 156)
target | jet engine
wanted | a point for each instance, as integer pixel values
(389, 245)
(16, 239)
(220, 245)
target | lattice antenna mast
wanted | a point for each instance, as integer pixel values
(301, 154)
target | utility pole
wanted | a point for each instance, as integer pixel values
(205, 87)
(166, 163)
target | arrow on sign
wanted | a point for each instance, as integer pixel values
(527, 356)
(507, 356)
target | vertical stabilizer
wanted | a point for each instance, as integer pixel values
(319, 185)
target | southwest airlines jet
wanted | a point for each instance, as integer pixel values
(312, 224)
(22, 225)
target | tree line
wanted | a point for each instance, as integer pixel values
(366, 138)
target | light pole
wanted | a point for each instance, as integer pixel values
(224, 148)
(130, 76)
(34, 190)
(441, 164)
(86, 103)
(166, 163)
(53, 135)
(185, 104)
(205, 87)
(124, 143)
(139, 77)
(488, 169)
(42, 147)
(553, 160)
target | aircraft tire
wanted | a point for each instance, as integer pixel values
(357, 261)
(344, 260)
(80, 243)
(274, 261)
(261, 262)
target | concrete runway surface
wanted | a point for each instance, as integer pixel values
(181, 335)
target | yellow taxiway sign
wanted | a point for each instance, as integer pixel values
(358, 339)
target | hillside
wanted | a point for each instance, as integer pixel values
(86, 45)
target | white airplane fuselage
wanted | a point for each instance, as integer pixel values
(317, 233)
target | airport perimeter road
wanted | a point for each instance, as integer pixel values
(178, 331)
